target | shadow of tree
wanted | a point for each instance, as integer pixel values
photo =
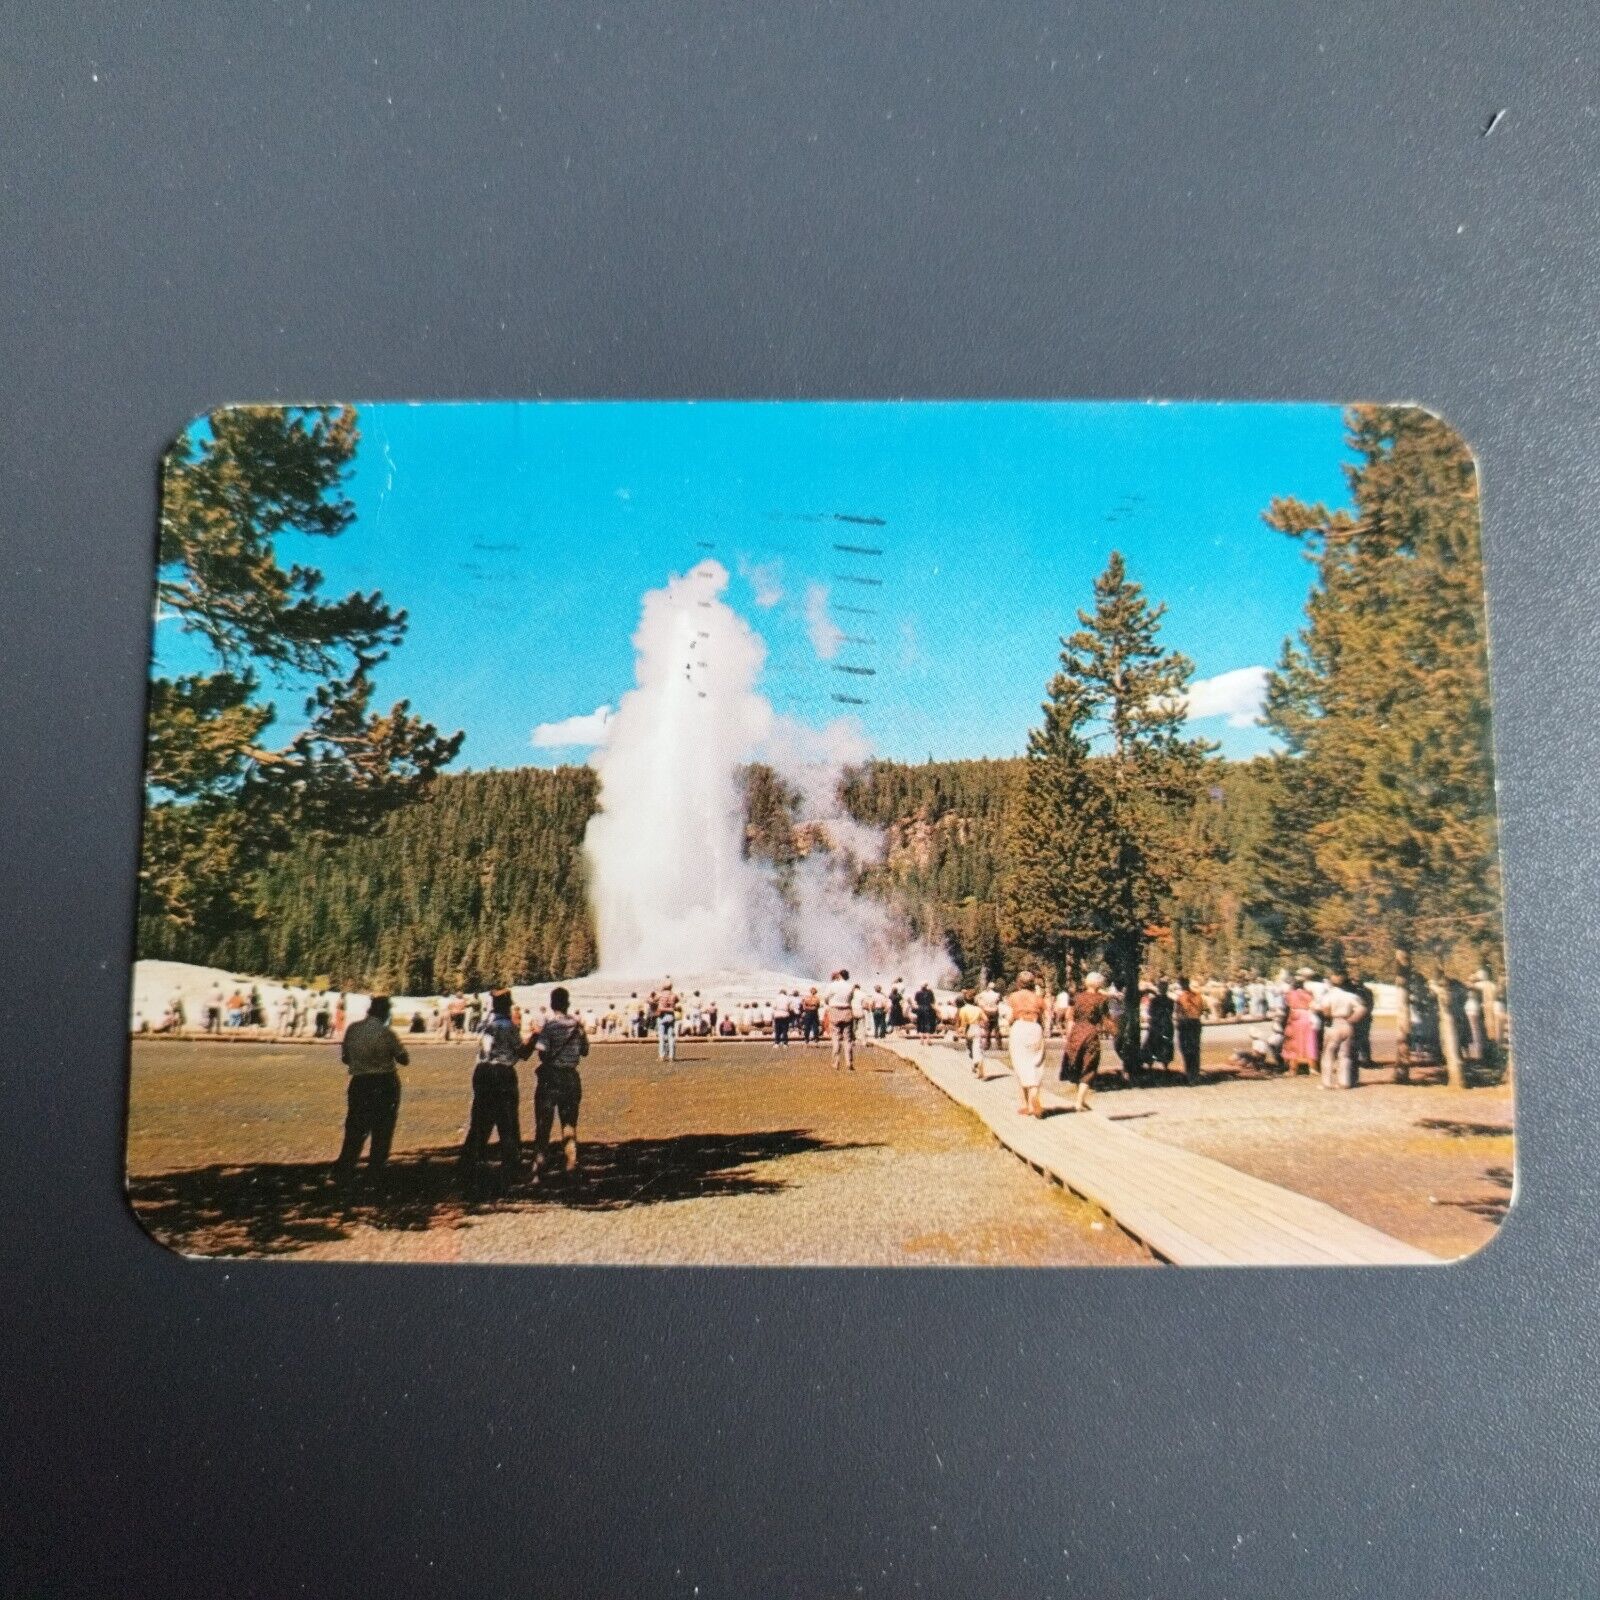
(1465, 1130)
(1492, 1208)
(275, 1208)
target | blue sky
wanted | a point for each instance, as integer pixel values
(520, 536)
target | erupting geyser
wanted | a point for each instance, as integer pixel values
(671, 885)
(668, 876)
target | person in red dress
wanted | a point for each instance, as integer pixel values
(1300, 1051)
(1090, 1021)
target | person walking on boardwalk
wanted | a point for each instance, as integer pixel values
(496, 1094)
(665, 1004)
(842, 1019)
(971, 1026)
(558, 1089)
(1090, 1022)
(371, 1052)
(1189, 1009)
(988, 1002)
(1028, 1010)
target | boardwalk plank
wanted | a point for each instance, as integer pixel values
(1188, 1208)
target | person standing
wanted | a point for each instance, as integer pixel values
(880, 1013)
(1489, 1007)
(1300, 1052)
(1091, 1021)
(496, 1094)
(1027, 1008)
(927, 1010)
(897, 1005)
(371, 1053)
(780, 1021)
(1361, 1042)
(972, 1027)
(842, 1019)
(558, 1089)
(1158, 1042)
(1342, 1009)
(1189, 1009)
(665, 1004)
(810, 1017)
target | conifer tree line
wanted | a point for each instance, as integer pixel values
(1119, 838)
(1368, 843)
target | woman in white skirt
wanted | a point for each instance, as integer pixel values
(1027, 1008)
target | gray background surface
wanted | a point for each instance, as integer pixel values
(360, 202)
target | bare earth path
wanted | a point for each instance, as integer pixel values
(737, 1155)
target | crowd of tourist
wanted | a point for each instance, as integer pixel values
(1305, 1022)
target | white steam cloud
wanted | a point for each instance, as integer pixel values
(670, 881)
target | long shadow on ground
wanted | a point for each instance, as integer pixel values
(274, 1208)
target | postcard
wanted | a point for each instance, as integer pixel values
(808, 834)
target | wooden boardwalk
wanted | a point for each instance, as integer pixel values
(1186, 1208)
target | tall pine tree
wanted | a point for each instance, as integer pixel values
(1107, 846)
(1055, 837)
(221, 799)
(1383, 704)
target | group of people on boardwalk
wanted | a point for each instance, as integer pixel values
(1084, 1020)
(373, 1053)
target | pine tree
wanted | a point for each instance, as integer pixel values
(1383, 705)
(1099, 838)
(220, 800)
(1055, 835)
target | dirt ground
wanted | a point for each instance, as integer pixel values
(1429, 1164)
(735, 1155)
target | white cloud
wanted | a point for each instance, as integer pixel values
(590, 730)
(1236, 695)
(765, 578)
(826, 634)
